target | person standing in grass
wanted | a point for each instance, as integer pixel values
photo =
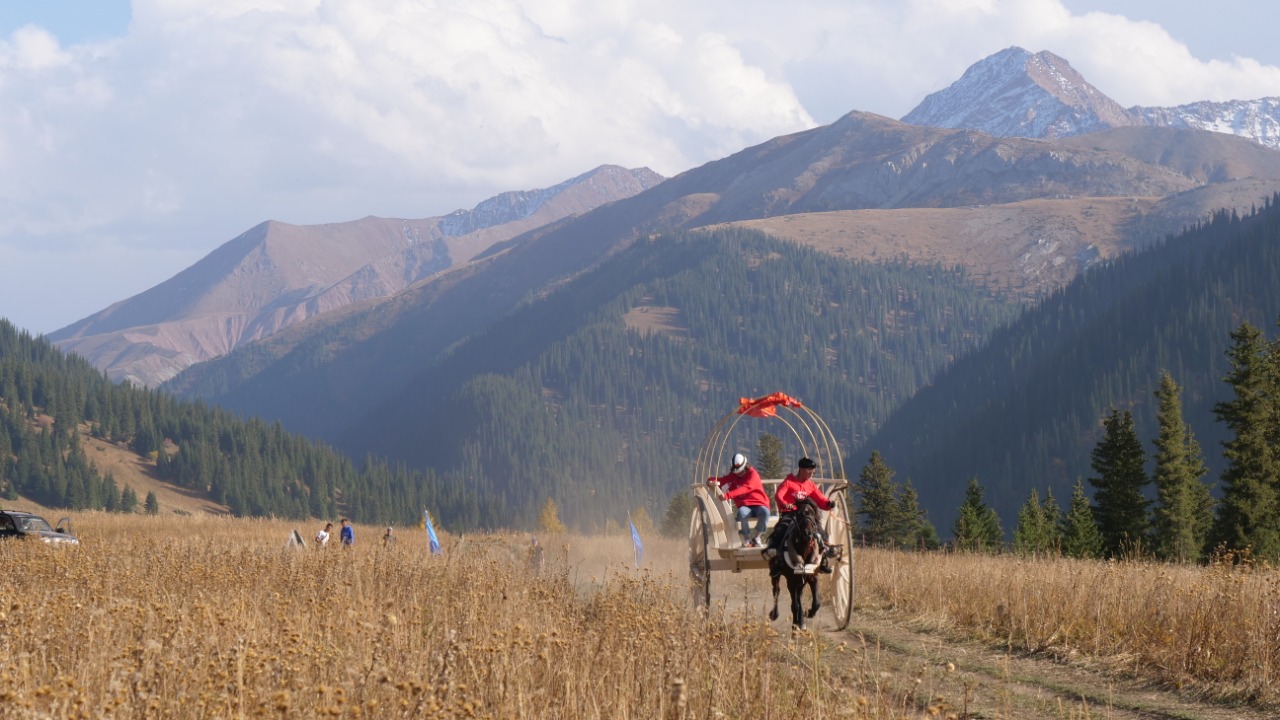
(322, 537)
(348, 534)
(388, 540)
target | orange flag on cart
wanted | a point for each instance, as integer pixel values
(766, 406)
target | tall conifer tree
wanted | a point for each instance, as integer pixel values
(1184, 508)
(914, 529)
(1037, 530)
(978, 525)
(1119, 505)
(1080, 536)
(1249, 513)
(769, 457)
(877, 501)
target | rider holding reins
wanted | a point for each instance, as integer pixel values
(790, 492)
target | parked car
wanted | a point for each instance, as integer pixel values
(27, 525)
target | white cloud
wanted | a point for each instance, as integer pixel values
(207, 118)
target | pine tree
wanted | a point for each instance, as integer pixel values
(769, 457)
(1036, 527)
(1119, 506)
(111, 494)
(914, 529)
(1052, 515)
(978, 525)
(1184, 508)
(1080, 536)
(877, 502)
(152, 504)
(1249, 513)
(675, 524)
(549, 518)
(128, 500)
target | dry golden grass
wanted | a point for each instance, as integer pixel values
(210, 617)
(1213, 630)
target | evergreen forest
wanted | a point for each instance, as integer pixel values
(569, 398)
(48, 399)
(1027, 411)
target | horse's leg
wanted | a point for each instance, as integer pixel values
(795, 586)
(773, 614)
(812, 582)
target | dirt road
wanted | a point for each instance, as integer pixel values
(919, 671)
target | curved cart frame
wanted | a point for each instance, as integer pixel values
(713, 536)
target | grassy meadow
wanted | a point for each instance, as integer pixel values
(208, 617)
(211, 617)
(1210, 631)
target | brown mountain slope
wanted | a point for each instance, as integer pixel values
(1204, 156)
(332, 371)
(1028, 247)
(278, 274)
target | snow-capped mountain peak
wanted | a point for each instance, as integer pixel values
(1015, 93)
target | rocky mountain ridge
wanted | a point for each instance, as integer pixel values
(1014, 93)
(276, 275)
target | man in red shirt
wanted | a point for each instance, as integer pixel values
(742, 485)
(790, 492)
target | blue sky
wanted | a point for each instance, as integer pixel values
(73, 21)
(138, 137)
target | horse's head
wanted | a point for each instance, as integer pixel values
(802, 536)
(809, 515)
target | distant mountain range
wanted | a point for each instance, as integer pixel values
(276, 275)
(1014, 93)
(544, 348)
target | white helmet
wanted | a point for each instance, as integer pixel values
(739, 462)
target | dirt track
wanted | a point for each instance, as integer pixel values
(917, 670)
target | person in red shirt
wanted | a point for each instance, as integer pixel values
(792, 490)
(742, 485)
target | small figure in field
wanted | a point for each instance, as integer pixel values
(795, 488)
(348, 534)
(535, 556)
(322, 537)
(742, 485)
(388, 540)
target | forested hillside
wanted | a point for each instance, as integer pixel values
(573, 397)
(1026, 411)
(47, 399)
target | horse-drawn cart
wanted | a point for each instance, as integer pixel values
(714, 543)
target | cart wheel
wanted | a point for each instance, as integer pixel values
(700, 556)
(840, 531)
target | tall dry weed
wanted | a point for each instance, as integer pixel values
(203, 617)
(1215, 630)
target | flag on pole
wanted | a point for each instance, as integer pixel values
(431, 534)
(635, 542)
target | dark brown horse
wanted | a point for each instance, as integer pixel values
(801, 550)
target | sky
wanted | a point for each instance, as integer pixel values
(137, 137)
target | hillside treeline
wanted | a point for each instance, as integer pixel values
(47, 399)
(573, 398)
(1026, 411)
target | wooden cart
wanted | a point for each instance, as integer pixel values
(714, 543)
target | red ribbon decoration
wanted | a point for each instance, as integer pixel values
(767, 406)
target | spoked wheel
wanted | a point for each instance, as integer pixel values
(700, 555)
(840, 532)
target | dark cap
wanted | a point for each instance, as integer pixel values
(806, 464)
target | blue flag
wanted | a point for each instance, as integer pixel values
(431, 534)
(635, 541)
